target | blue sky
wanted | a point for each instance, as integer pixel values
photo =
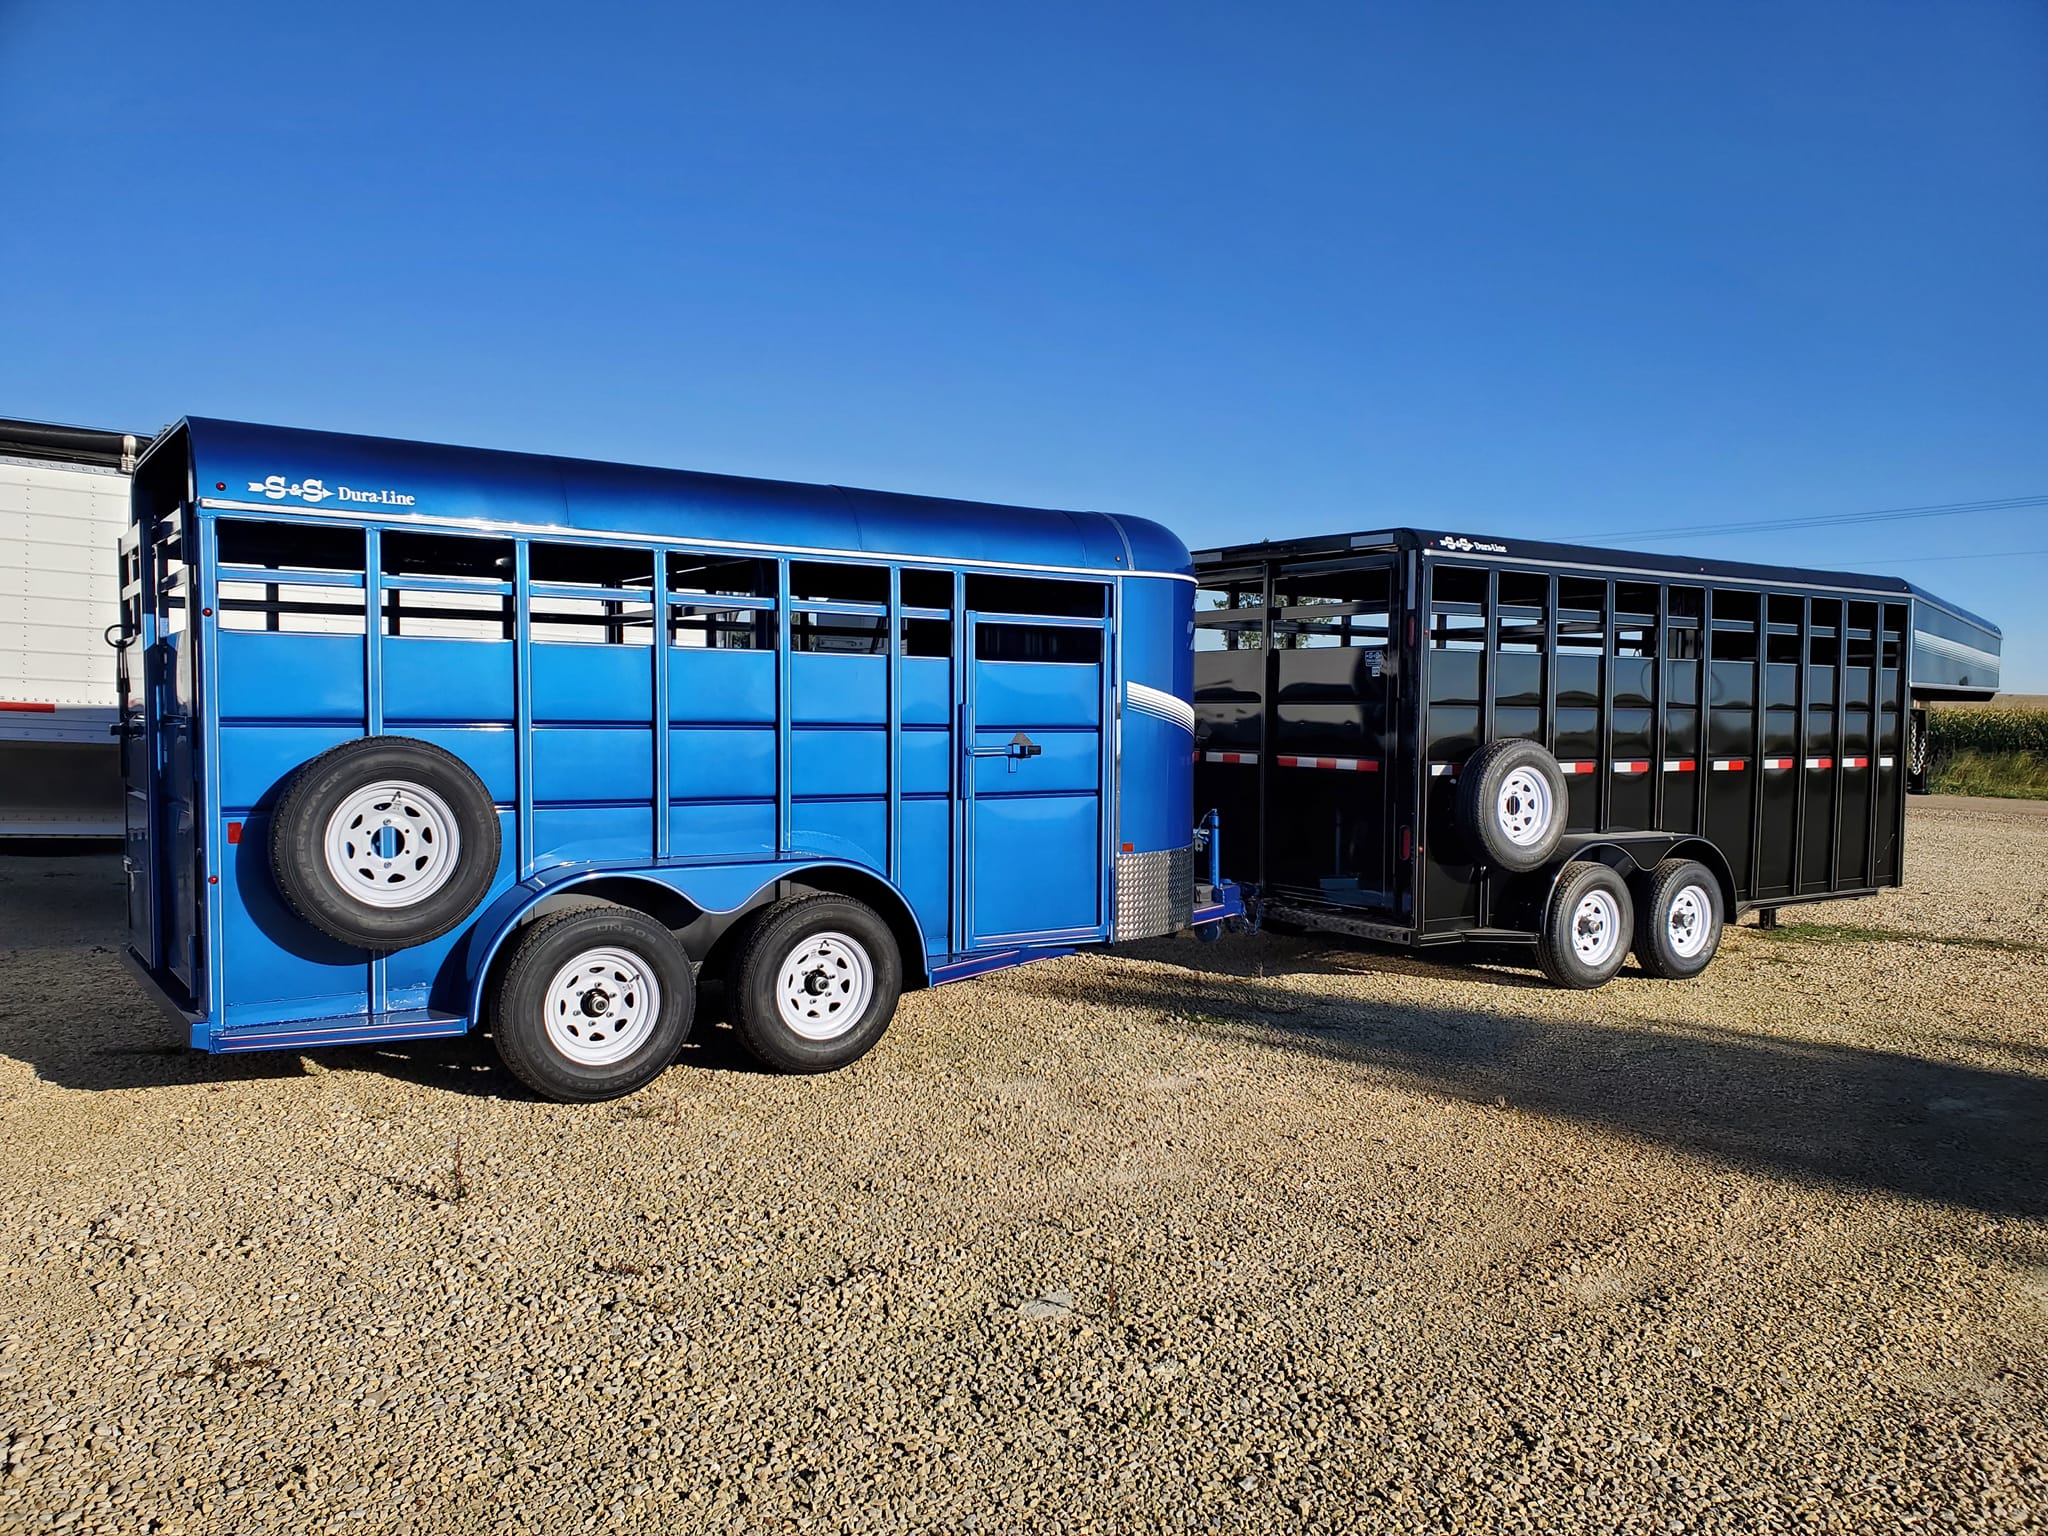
(1537, 270)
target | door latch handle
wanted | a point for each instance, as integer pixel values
(1016, 749)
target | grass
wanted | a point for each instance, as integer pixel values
(2003, 775)
(1863, 933)
(1999, 748)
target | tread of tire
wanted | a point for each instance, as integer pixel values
(1647, 954)
(530, 938)
(1547, 940)
(756, 939)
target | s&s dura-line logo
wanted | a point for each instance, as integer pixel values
(278, 487)
(1465, 546)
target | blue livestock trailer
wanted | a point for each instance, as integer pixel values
(418, 739)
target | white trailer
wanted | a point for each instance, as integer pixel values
(63, 506)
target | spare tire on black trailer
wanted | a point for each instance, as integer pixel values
(1511, 804)
(384, 842)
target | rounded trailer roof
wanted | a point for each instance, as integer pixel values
(240, 466)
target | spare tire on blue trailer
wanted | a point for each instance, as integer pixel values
(384, 842)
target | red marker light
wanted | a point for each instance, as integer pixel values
(234, 832)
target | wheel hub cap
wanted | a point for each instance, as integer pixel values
(1596, 928)
(391, 844)
(825, 985)
(1689, 921)
(602, 1006)
(1524, 807)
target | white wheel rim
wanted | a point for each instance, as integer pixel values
(602, 1006)
(1689, 922)
(1596, 928)
(825, 985)
(1524, 807)
(392, 844)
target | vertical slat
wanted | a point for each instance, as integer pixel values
(1799, 752)
(1605, 769)
(522, 688)
(892, 783)
(1660, 738)
(1109, 751)
(782, 705)
(659, 620)
(956, 713)
(1875, 730)
(1268, 721)
(1756, 763)
(202, 623)
(1425, 581)
(1902, 753)
(1841, 606)
(373, 704)
(1489, 638)
(1549, 660)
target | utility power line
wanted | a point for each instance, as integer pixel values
(1984, 554)
(1838, 520)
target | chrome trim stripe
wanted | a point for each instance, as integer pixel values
(1954, 650)
(1161, 705)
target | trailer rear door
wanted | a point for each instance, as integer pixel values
(1296, 682)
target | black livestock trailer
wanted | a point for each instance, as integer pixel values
(1423, 738)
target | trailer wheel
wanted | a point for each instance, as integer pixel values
(384, 842)
(1511, 804)
(1586, 927)
(1678, 919)
(594, 1004)
(816, 984)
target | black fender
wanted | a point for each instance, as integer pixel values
(1524, 899)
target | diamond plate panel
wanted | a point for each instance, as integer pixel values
(1155, 893)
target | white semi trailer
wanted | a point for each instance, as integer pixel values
(63, 506)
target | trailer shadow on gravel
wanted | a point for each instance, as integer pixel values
(71, 1013)
(1853, 1117)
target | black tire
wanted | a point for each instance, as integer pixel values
(1564, 924)
(770, 1035)
(1678, 919)
(454, 799)
(564, 1061)
(1509, 830)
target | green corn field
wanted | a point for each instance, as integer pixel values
(1988, 750)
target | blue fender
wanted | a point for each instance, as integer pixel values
(711, 888)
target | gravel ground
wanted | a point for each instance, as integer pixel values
(1258, 1235)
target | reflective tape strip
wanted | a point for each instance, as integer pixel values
(1575, 767)
(29, 709)
(1820, 762)
(1777, 762)
(1884, 762)
(1632, 765)
(1855, 762)
(1443, 770)
(1230, 757)
(1730, 764)
(1345, 764)
(1680, 765)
